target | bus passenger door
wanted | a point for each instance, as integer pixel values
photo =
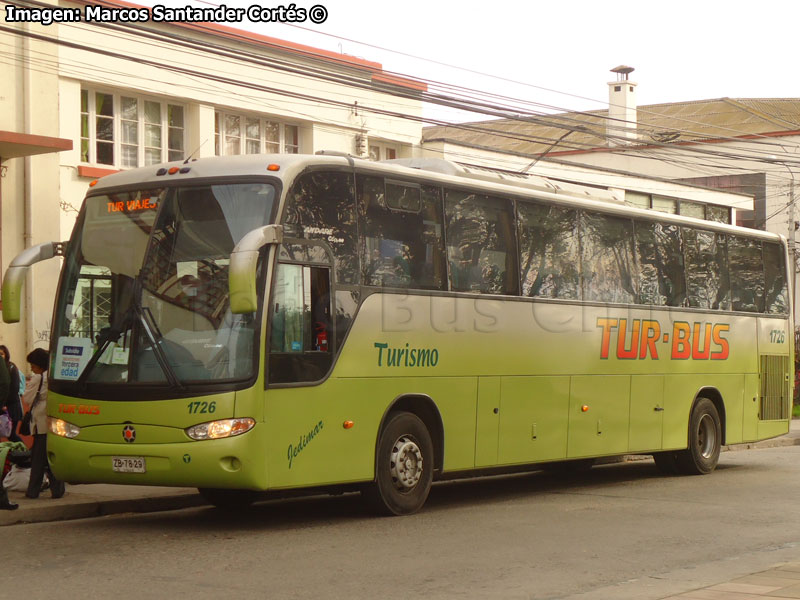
(647, 413)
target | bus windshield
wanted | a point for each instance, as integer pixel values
(144, 294)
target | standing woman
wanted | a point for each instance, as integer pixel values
(13, 402)
(35, 397)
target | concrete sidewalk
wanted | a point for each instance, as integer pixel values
(95, 500)
(782, 581)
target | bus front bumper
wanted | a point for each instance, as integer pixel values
(224, 463)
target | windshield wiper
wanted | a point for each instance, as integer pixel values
(155, 336)
(135, 313)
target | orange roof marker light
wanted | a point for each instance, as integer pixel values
(273, 167)
(93, 183)
(173, 170)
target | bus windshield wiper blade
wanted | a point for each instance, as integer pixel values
(154, 336)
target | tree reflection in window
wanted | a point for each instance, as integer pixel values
(480, 243)
(401, 229)
(607, 259)
(747, 274)
(707, 281)
(662, 281)
(549, 251)
(320, 206)
(777, 292)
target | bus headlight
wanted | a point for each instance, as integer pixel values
(61, 428)
(215, 430)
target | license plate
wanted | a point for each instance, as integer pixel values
(128, 464)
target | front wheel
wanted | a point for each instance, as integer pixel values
(403, 467)
(705, 440)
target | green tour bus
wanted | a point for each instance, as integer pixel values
(293, 323)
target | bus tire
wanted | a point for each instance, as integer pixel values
(228, 499)
(705, 440)
(403, 467)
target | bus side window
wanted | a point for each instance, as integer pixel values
(747, 274)
(548, 239)
(321, 206)
(777, 293)
(480, 243)
(662, 281)
(708, 284)
(301, 344)
(401, 234)
(607, 259)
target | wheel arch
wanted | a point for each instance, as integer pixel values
(715, 396)
(425, 408)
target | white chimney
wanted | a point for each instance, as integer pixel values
(621, 108)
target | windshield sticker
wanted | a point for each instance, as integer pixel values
(406, 356)
(304, 441)
(640, 339)
(72, 356)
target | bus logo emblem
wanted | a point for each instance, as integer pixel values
(128, 433)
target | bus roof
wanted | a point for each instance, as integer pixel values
(287, 166)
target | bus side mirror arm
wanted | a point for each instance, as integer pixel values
(242, 269)
(16, 272)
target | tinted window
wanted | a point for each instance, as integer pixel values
(661, 276)
(548, 238)
(747, 274)
(320, 206)
(607, 259)
(707, 280)
(401, 226)
(480, 243)
(777, 293)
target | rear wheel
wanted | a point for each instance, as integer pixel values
(403, 467)
(228, 499)
(705, 440)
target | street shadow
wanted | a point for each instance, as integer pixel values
(321, 510)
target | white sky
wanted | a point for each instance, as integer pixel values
(681, 50)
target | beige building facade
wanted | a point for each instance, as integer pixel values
(85, 99)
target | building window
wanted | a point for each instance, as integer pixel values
(246, 134)
(698, 210)
(127, 131)
(381, 152)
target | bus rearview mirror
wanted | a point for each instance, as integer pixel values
(16, 272)
(243, 265)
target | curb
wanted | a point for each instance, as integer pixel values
(53, 511)
(791, 439)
